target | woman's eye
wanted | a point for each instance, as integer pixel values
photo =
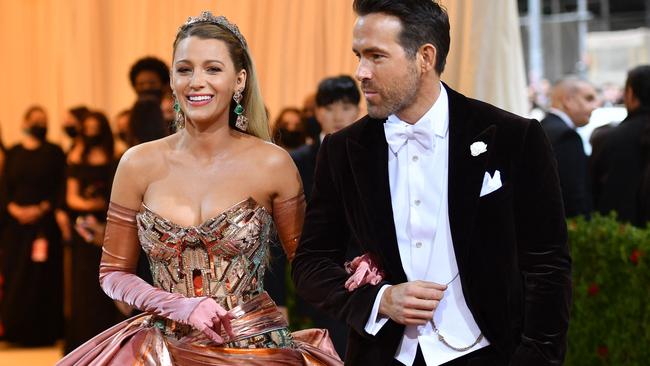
(182, 70)
(214, 69)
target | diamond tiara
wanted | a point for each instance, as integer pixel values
(207, 17)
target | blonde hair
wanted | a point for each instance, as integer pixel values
(254, 110)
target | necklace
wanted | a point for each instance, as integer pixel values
(442, 339)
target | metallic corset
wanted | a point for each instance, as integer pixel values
(224, 258)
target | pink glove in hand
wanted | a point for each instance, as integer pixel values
(364, 270)
(208, 317)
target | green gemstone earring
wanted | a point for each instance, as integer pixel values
(241, 122)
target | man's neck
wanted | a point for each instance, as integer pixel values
(424, 100)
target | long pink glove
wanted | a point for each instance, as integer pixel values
(118, 280)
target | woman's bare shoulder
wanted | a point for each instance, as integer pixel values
(148, 154)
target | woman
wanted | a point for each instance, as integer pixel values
(204, 203)
(90, 173)
(32, 192)
(289, 130)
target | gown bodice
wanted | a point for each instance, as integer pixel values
(225, 257)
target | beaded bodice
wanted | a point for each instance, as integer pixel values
(225, 257)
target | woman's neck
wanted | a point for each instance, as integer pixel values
(206, 141)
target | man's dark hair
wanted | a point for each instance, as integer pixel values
(150, 64)
(423, 21)
(638, 79)
(340, 88)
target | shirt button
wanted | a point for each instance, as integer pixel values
(417, 202)
(418, 244)
(415, 158)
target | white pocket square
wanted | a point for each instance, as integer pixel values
(491, 183)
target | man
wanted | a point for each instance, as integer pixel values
(149, 76)
(457, 201)
(337, 106)
(572, 101)
(621, 169)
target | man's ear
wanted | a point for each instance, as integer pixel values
(427, 56)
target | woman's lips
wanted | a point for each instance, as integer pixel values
(199, 100)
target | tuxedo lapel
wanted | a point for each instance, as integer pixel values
(466, 171)
(369, 162)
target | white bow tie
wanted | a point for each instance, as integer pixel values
(398, 134)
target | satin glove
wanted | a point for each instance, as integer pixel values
(364, 270)
(118, 280)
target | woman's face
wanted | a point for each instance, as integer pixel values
(36, 118)
(204, 80)
(290, 120)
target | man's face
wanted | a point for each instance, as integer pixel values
(336, 116)
(389, 78)
(147, 80)
(580, 105)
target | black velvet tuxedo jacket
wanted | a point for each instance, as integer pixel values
(510, 245)
(572, 165)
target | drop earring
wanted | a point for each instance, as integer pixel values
(242, 122)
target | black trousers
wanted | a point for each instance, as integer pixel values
(485, 356)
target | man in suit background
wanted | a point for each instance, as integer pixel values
(572, 101)
(337, 106)
(456, 201)
(621, 171)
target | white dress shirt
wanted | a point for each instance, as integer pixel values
(418, 187)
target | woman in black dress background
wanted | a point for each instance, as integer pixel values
(90, 174)
(32, 193)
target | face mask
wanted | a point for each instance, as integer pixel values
(92, 140)
(71, 131)
(39, 132)
(290, 139)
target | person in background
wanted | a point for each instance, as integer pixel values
(146, 122)
(621, 169)
(308, 114)
(72, 123)
(149, 76)
(90, 173)
(121, 132)
(337, 106)
(32, 191)
(572, 101)
(289, 130)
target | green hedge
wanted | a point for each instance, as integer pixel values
(610, 318)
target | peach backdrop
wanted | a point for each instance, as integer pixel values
(61, 53)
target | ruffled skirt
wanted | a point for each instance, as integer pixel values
(145, 340)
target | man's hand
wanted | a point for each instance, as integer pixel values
(411, 303)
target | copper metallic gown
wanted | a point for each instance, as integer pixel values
(224, 258)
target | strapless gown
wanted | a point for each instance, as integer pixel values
(224, 258)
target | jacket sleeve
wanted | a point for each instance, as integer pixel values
(317, 269)
(544, 259)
